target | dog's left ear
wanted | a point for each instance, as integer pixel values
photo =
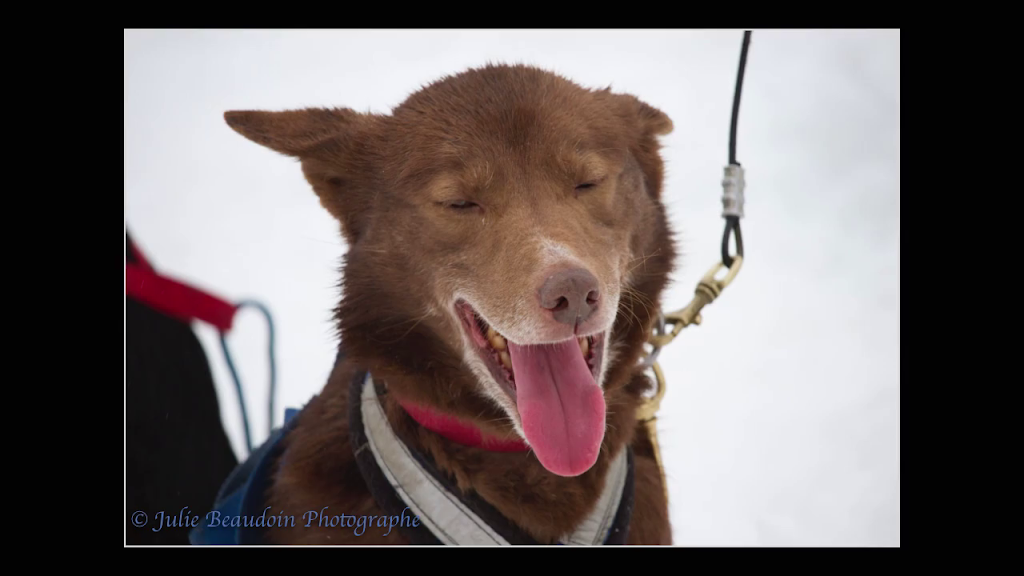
(653, 122)
(650, 123)
(334, 145)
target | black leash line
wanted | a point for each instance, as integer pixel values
(733, 200)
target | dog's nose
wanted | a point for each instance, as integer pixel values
(571, 295)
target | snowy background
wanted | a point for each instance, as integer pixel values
(781, 425)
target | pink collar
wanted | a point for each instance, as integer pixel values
(459, 431)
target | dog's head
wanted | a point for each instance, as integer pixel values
(507, 244)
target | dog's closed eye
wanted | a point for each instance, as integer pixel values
(459, 205)
(589, 184)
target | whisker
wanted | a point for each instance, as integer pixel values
(643, 262)
(640, 299)
(632, 314)
(416, 322)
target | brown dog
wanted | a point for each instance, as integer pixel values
(507, 252)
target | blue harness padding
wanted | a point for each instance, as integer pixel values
(242, 498)
(243, 495)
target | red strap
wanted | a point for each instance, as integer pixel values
(176, 299)
(186, 303)
(459, 431)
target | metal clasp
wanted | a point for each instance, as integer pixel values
(708, 289)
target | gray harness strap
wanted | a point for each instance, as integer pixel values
(443, 512)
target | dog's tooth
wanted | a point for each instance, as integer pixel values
(497, 341)
(506, 360)
(584, 345)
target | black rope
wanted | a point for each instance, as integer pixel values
(732, 227)
(736, 98)
(732, 223)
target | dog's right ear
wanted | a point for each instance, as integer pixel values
(332, 144)
(296, 133)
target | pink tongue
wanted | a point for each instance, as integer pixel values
(561, 406)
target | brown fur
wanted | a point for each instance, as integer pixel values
(515, 140)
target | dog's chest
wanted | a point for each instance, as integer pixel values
(429, 510)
